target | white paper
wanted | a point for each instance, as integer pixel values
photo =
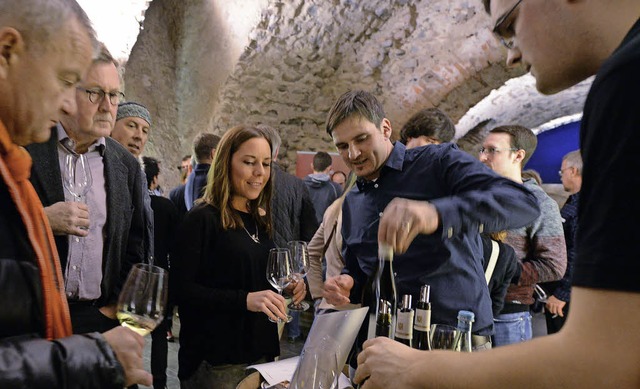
(282, 370)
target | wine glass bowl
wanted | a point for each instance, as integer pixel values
(76, 177)
(300, 262)
(444, 337)
(143, 299)
(279, 273)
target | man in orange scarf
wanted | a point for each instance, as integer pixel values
(45, 50)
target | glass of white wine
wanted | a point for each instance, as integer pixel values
(279, 272)
(143, 299)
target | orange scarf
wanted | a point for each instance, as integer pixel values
(15, 168)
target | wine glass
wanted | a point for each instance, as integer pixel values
(76, 177)
(143, 298)
(318, 366)
(444, 337)
(300, 261)
(279, 273)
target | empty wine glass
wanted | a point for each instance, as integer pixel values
(143, 299)
(279, 273)
(76, 177)
(318, 366)
(300, 261)
(444, 337)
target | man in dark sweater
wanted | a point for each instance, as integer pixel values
(204, 147)
(322, 190)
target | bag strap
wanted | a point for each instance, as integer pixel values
(493, 260)
(328, 242)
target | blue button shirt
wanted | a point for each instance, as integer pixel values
(470, 199)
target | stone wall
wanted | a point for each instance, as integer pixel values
(210, 64)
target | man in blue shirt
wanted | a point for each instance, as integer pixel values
(430, 204)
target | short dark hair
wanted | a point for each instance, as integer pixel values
(522, 138)
(203, 144)
(429, 122)
(355, 103)
(321, 161)
(151, 168)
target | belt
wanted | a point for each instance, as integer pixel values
(479, 340)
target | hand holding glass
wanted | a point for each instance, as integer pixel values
(143, 298)
(76, 177)
(279, 272)
(300, 260)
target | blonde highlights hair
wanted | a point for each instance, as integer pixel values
(219, 189)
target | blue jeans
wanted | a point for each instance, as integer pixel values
(293, 327)
(512, 328)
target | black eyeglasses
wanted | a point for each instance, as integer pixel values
(96, 95)
(493, 150)
(502, 32)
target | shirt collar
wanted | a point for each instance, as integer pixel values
(68, 144)
(395, 161)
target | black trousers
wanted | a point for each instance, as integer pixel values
(159, 352)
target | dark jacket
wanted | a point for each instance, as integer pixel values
(125, 229)
(293, 214)
(194, 187)
(323, 192)
(507, 268)
(26, 359)
(176, 195)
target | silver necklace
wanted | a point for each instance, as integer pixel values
(253, 237)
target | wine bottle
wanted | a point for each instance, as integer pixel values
(404, 321)
(422, 323)
(383, 320)
(465, 322)
(385, 286)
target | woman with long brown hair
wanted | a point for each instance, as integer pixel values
(224, 298)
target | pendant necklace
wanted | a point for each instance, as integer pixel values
(253, 237)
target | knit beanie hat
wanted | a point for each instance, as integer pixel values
(133, 109)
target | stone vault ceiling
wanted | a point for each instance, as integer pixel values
(207, 65)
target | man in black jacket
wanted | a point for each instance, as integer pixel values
(41, 62)
(292, 212)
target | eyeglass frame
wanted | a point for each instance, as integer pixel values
(562, 170)
(495, 150)
(496, 29)
(100, 94)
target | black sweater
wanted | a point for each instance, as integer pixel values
(215, 271)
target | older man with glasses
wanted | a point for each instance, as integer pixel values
(99, 239)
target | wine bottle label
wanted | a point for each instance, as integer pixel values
(423, 320)
(404, 327)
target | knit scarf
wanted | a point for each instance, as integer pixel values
(15, 168)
